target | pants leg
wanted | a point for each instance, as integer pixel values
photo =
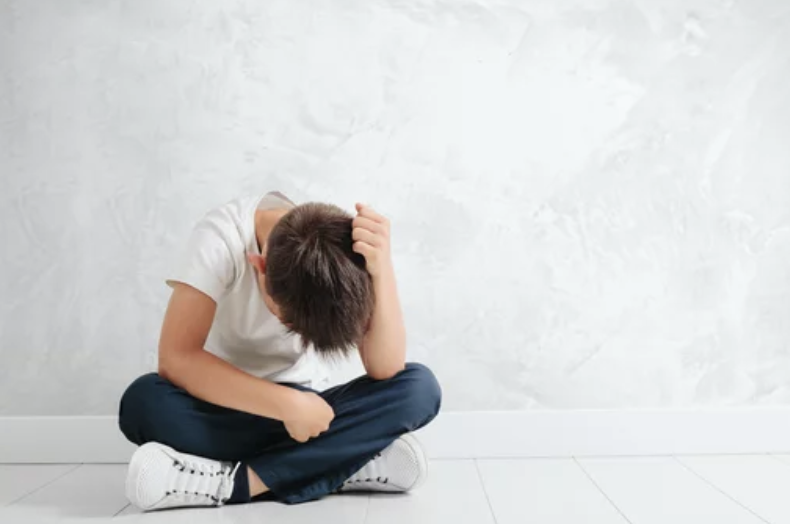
(369, 415)
(154, 410)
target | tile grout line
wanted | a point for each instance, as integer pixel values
(367, 511)
(120, 510)
(714, 486)
(485, 491)
(44, 485)
(600, 490)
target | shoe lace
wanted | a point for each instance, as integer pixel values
(200, 483)
(368, 474)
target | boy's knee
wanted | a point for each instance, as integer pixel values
(141, 404)
(422, 395)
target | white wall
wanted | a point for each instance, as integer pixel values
(591, 204)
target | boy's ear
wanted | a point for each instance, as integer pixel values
(258, 262)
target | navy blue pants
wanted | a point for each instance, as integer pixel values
(369, 416)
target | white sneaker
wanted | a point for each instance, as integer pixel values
(160, 477)
(402, 466)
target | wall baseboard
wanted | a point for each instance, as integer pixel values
(467, 435)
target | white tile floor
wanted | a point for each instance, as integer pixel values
(640, 490)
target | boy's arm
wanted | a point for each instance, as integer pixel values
(383, 349)
(184, 362)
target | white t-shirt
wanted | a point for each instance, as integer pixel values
(244, 333)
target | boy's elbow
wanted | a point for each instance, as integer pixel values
(165, 368)
(385, 372)
(170, 365)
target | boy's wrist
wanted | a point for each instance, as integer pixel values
(284, 403)
(385, 273)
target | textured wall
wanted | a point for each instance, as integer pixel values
(591, 203)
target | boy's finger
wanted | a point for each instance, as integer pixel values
(365, 236)
(363, 248)
(369, 212)
(366, 223)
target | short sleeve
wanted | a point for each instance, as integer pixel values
(282, 197)
(206, 263)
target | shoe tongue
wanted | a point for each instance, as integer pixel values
(187, 478)
(228, 480)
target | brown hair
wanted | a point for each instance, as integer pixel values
(320, 284)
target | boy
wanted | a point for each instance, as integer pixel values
(266, 288)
